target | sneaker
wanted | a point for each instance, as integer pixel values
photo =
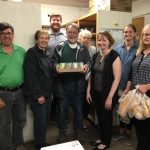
(128, 140)
(118, 137)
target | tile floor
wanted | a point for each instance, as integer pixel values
(90, 135)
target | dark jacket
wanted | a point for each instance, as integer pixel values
(38, 74)
(82, 55)
(107, 77)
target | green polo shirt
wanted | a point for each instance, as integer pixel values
(11, 67)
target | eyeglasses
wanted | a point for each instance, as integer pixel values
(146, 34)
(6, 33)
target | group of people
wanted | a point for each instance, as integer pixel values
(34, 76)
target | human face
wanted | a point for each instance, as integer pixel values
(85, 40)
(43, 40)
(129, 34)
(6, 37)
(72, 34)
(146, 36)
(103, 42)
(55, 23)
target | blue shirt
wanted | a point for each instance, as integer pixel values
(55, 39)
(126, 62)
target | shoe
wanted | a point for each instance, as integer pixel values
(79, 135)
(62, 136)
(118, 137)
(128, 140)
(96, 148)
(94, 143)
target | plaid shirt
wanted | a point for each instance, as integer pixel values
(141, 70)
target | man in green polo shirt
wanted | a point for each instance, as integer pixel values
(12, 103)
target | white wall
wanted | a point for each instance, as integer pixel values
(25, 18)
(68, 13)
(141, 8)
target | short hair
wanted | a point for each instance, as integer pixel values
(39, 32)
(55, 14)
(72, 25)
(86, 33)
(108, 36)
(5, 25)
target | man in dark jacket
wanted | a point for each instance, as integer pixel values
(70, 87)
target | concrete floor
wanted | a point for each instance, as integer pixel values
(90, 135)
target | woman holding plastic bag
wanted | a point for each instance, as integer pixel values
(140, 79)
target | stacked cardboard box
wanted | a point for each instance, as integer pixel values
(114, 5)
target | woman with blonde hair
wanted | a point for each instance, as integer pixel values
(38, 83)
(140, 76)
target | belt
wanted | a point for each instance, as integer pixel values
(10, 89)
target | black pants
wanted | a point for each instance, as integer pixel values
(105, 120)
(125, 125)
(142, 128)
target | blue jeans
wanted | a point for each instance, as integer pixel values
(76, 102)
(12, 120)
(41, 115)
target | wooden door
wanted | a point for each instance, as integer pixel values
(139, 24)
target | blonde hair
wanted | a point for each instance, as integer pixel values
(39, 32)
(142, 46)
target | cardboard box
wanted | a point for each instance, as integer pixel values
(114, 5)
(73, 145)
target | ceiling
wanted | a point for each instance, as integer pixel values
(74, 3)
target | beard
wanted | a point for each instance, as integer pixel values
(55, 28)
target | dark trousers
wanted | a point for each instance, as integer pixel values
(12, 119)
(41, 114)
(105, 120)
(76, 102)
(125, 125)
(142, 128)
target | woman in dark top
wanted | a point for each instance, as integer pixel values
(103, 85)
(38, 85)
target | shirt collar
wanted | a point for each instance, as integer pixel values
(2, 49)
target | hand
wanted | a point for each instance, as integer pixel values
(41, 100)
(85, 68)
(2, 104)
(108, 103)
(142, 88)
(88, 97)
(57, 68)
